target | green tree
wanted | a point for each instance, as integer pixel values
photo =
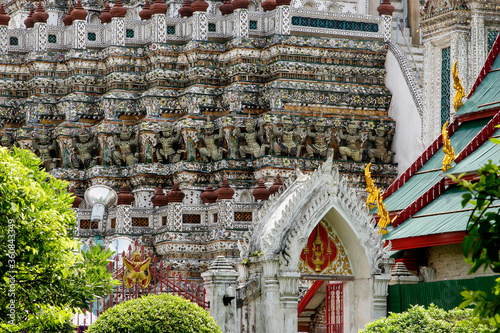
(155, 314)
(44, 278)
(481, 245)
(418, 319)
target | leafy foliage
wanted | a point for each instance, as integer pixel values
(418, 319)
(155, 314)
(43, 277)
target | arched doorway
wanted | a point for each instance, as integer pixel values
(287, 222)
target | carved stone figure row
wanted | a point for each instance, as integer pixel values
(168, 146)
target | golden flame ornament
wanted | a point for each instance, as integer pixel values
(135, 271)
(447, 149)
(371, 201)
(460, 94)
(383, 214)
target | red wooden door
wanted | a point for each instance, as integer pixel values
(334, 308)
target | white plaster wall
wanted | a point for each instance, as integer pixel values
(449, 263)
(404, 111)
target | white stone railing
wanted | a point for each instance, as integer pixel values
(258, 24)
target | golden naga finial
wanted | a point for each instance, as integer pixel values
(457, 101)
(383, 214)
(447, 150)
(371, 201)
(136, 271)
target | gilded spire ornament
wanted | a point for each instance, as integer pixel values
(371, 201)
(383, 214)
(447, 149)
(457, 101)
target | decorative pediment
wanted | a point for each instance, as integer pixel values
(324, 253)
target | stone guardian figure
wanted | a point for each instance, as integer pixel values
(251, 147)
(211, 151)
(127, 144)
(166, 139)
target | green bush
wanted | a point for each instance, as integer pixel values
(418, 319)
(155, 314)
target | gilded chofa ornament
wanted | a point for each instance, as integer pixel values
(371, 201)
(447, 150)
(457, 101)
(383, 214)
(135, 271)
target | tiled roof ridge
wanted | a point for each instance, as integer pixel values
(420, 161)
(429, 196)
(490, 60)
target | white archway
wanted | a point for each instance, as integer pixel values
(284, 224)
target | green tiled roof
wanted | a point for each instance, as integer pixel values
(445, 214)
(488, 151)
(487, 92)
(421, 182)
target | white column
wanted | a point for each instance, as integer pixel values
(118, 31)
(159, 28)
(40, 37)
(271, 297)
(79, 34)
(478, 39)
(3, 39)
(241, 28)
(200, 26)
(283, 21)
(220, 280)
(289, 292)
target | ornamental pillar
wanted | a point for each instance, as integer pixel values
(78, 16)
(241, 27)
(271, 298)
(40, 28)
(220, 287)
(159, 28)
(123, 219)
(159, 10)
(118, 31)
(289, 292)
(200, 23)
(79, 34)
(283, 19)
(478, 33)
(118, 23)
(200, 26)
(4, 22)
(380, 289)
(41, 37)
(385, 10)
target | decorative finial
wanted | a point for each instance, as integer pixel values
(146, 12)
(385, 8)
(447, 149)
(187, 11)
(40, 15)
(118, 10)
(106, 16)
(79, 13)
(226, 8)
(68, 19)
(29, 23)
(371, 201)
(4, 18)
(384, 219)
(457, 101)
